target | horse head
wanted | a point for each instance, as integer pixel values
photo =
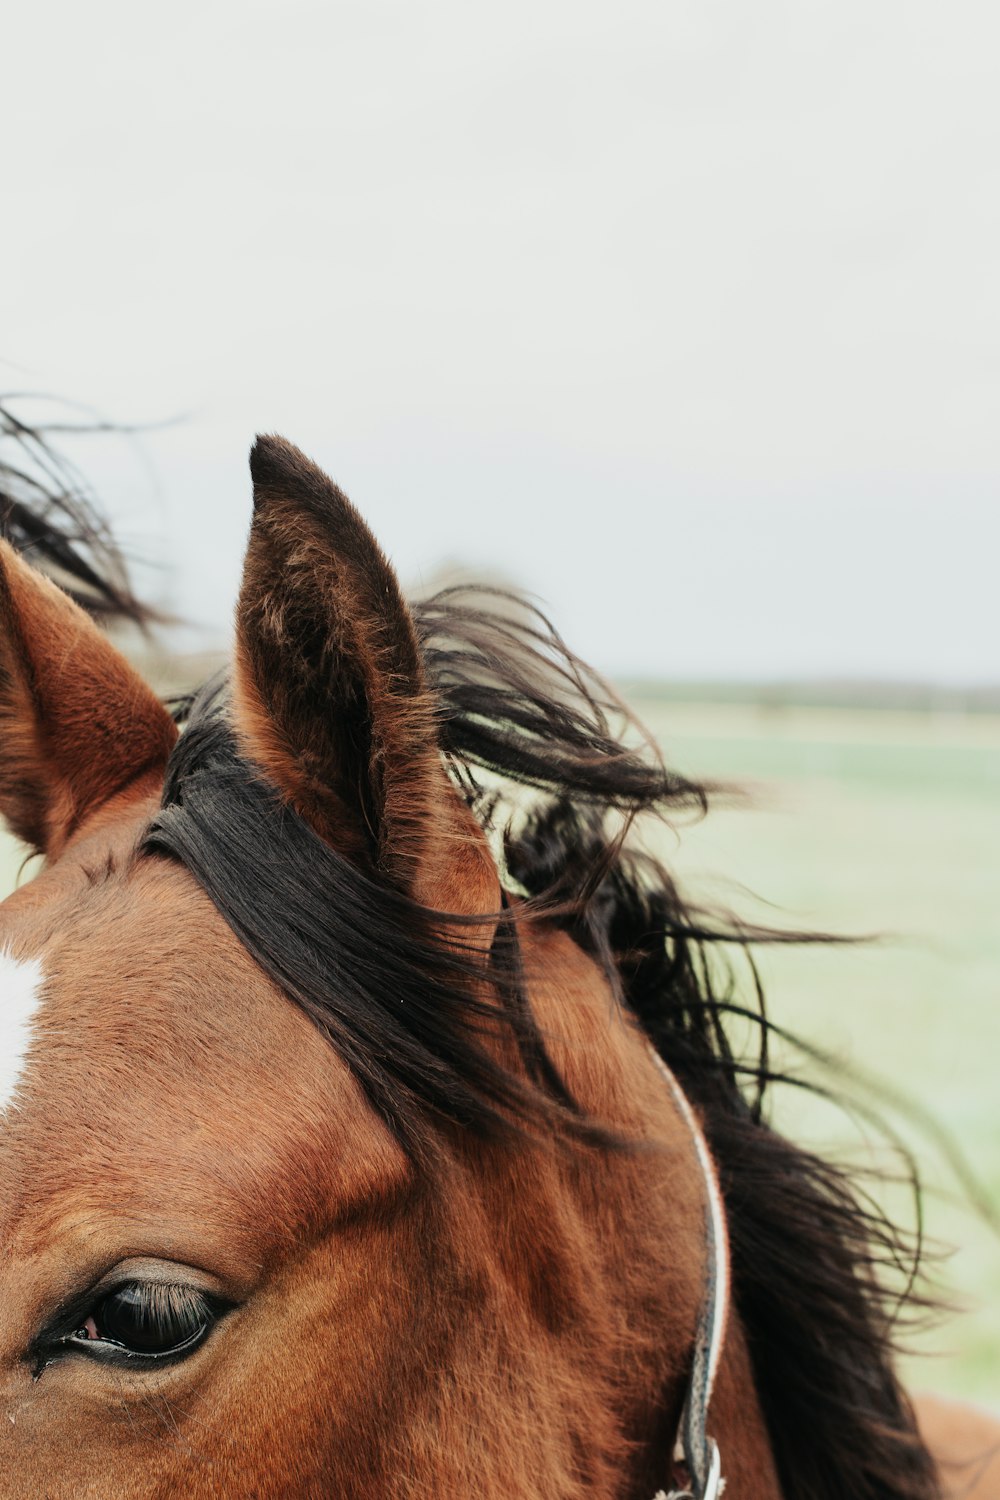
(336, 1159)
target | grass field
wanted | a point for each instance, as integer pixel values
(871, 822)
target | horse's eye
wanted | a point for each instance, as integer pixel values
(147, 1320)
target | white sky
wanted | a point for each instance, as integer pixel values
(685, 315)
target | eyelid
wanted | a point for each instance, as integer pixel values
(165, 1273)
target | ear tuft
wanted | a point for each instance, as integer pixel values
(282, 474)
(272, 463)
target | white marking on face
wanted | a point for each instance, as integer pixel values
(20, 996)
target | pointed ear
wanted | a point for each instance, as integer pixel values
(77, 723)
(329, 692)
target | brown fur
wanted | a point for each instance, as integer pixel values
(519, 1327)
(75, 727)
(330, 694)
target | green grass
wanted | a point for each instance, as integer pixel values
(869, 822)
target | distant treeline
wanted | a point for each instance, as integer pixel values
(911, 697)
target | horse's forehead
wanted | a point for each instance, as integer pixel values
(157, 1079)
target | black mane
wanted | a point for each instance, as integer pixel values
(47, 513)
(408, 1011)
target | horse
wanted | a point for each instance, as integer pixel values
(370, 1132)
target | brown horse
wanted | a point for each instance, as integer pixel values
(354, 1145)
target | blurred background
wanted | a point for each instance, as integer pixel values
(684, 316)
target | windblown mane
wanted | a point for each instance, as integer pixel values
(558, 773)
(809, 1252)
(46, 512)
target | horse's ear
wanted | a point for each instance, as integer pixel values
(329, 694)
(77, 723)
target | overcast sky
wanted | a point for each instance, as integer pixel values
(684, 315)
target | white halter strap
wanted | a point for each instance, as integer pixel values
(694, 1448)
